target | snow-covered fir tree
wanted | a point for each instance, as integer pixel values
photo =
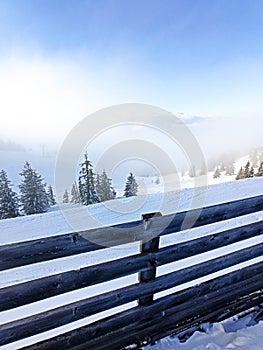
(131, 186)
(33, 196)
(65, 197)
(251, 172)
(248, 171)
(104, 188)
(50, 196)
(87, 190)
(255, 157)
(230, 169)
(75, 198)
(8, 198)
(240, 174)
(217, 173)
(98, 184)
(260, 170)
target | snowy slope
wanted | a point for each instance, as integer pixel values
(122, 210)
(65, 218)
(13, 162)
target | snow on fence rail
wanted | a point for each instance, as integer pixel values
(214, 299)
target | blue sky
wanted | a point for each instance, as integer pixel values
(160, 30)
(211, 31)
(63, 59)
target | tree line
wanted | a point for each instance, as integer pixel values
(227, 168)
(253, 167)
(36, 197)
(91, 188)
(248, 171)
(33, 198)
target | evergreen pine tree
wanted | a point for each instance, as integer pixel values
(260, 170)
(33, 195)
(104, 188)
(50, 196)
(75, 194)
(240, 174)
(230, 169)
(8, 198)
(222, 167)
(253, 156)
(65, 197)
(247, 170)
(217, 173)
(254, 163)
(131, 186)
(98, 186)
(87, 190)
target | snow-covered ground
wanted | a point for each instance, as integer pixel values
(221, 336)
(68, 217)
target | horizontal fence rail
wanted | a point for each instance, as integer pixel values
(44, 249)
(218, 297)
(176, 312)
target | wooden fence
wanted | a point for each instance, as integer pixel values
(214, 299)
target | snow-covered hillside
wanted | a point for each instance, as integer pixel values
(13, 162)
(67, 217)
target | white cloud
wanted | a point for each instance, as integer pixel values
(41, 99)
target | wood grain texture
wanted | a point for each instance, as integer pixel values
(171, 314)
(42, 288)
(213, 300)
(44, 249)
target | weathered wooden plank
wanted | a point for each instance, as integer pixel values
(240, 308)
(159, 327)
(49, 248)
(246, 303)
(46, 287)
(150, 246)
(29, 252)
(207, 309)
(75, 311)
(184, 305)
(172, 324)
(207, 243)
(42, 288)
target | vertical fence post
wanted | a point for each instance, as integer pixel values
(149, 246)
